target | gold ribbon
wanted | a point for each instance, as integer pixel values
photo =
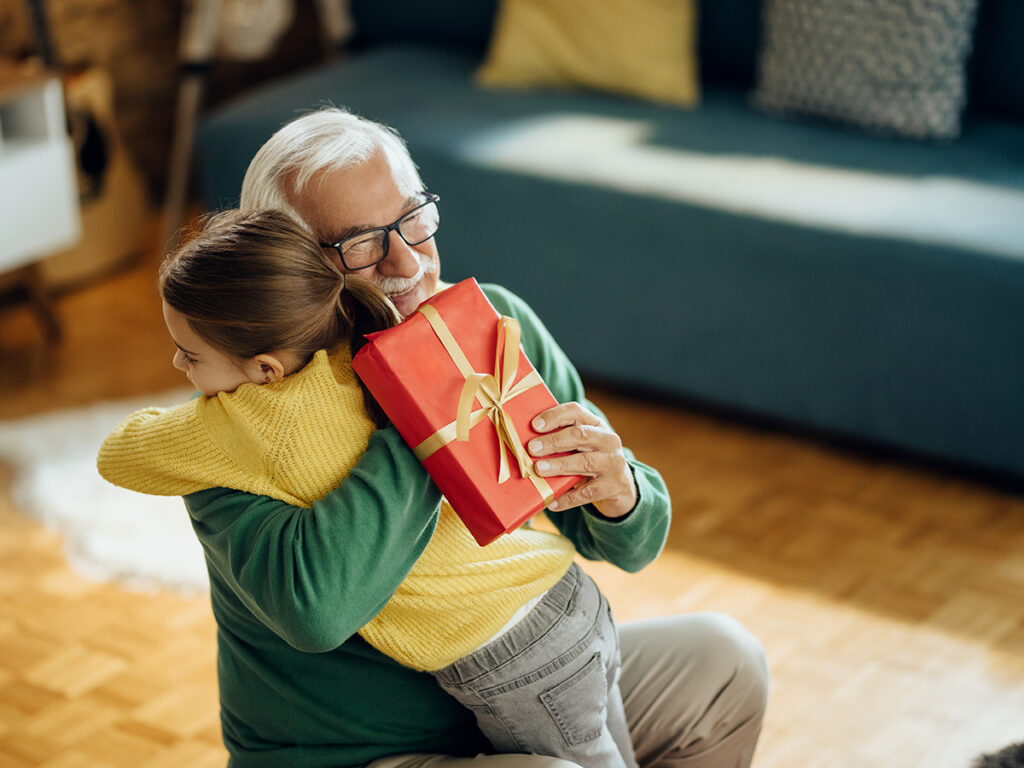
(493, 390)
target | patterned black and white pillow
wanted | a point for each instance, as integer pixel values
(895, 66)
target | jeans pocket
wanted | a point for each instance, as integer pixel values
(578, 704)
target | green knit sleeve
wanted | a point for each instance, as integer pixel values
(630, 542)
(315, 576)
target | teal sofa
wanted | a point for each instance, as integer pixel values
(911, 342)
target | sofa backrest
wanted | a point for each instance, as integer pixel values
(996, 69)
(459, 23)
(728, 30)
(728, 34)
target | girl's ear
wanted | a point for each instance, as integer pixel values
(266, 368)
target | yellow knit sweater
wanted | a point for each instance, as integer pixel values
(296, 440)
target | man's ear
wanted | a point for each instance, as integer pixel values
(266, 368)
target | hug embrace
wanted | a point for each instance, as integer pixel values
(359, 622)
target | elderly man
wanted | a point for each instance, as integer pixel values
(290, 588)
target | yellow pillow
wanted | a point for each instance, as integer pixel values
(640, 48)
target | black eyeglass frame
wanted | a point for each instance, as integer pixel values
(387, 230)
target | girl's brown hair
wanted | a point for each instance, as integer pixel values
(253, 282)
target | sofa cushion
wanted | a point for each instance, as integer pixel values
(641, 48)
(880, 64)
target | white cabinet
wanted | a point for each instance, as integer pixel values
(38, 184)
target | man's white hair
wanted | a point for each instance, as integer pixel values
(329, 139)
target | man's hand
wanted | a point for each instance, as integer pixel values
(595, 452)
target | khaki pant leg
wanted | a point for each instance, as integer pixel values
(695, 687)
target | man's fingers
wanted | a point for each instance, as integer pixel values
(587, 463)
(563, 415)
(589, 492)
(579, 437)
(571, 427)
(592, 450)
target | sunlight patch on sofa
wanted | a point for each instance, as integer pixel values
(614, 153)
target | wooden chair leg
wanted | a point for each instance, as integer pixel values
(42, 300)
(198, 41)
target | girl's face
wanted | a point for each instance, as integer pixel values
(210, 370)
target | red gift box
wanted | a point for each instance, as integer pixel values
(456, 384)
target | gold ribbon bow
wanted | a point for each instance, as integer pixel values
(493, 390)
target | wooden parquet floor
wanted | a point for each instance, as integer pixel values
(890, 597)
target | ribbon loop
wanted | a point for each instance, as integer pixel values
(475, 382)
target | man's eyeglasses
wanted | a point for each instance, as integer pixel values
(370, 247)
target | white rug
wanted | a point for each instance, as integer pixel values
(145, 542)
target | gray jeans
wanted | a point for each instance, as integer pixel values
(694, 685)
(549, 685)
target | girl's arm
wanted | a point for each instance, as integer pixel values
(316, 576)
(148, 452)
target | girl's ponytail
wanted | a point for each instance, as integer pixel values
(366, 309)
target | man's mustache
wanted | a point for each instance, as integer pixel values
(394, 286)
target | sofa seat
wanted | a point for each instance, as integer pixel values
(859, 286)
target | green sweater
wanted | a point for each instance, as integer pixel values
(291, 586)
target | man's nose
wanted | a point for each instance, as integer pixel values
(403, 260)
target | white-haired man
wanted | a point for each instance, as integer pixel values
(290, 589)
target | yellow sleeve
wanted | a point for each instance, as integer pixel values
(160, 451)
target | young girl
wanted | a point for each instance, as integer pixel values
(265, 328)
